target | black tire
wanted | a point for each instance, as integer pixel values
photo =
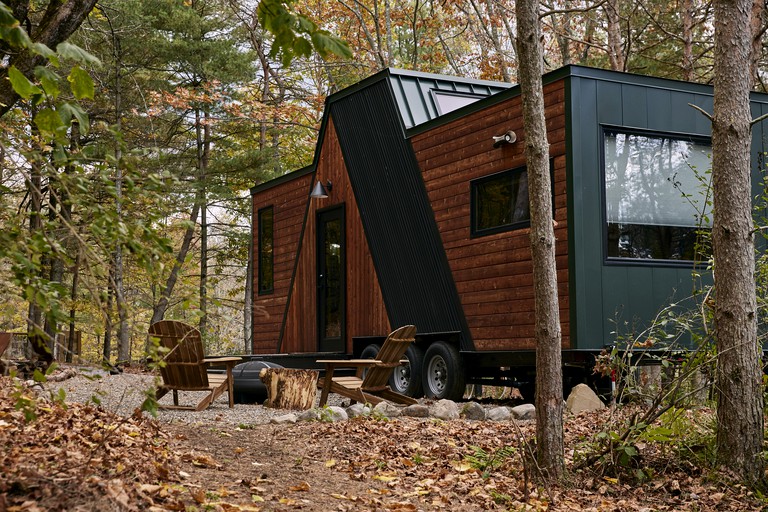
(406, 379)
(443, 374)
(370, 352)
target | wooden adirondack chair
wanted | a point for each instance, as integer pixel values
(369, 385)
(186, 368)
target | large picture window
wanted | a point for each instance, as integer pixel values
(656, 194)
(266, 250)
(500, 202)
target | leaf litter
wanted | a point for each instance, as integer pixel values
(80, 457)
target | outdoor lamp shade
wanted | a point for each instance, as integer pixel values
(320, 191)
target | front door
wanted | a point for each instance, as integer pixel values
(331, 280)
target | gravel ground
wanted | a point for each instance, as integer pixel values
(125, 392)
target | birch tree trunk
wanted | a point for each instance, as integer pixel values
(739, 376)
(549, 377)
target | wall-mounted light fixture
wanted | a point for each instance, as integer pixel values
(507, 138)
(320, 191)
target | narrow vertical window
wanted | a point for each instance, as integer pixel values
(266, 250)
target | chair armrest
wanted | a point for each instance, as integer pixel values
(355, 363)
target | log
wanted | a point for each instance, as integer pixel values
(290, 388)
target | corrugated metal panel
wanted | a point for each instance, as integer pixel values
(402, 235)
(414, 98)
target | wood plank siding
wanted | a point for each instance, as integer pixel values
(493, 273)
(289, 201)
(365, 314)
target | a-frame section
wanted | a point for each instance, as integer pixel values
(365, 311)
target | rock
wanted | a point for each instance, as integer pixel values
(582, 398)
(285, 418)
(524, 412)
(416, 411)
(387, 410)
(333, 414)
(473, 411)
(445, 410)
(498, 414)
(355, 410)
(309, 415)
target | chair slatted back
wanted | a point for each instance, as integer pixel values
(390, 354)
(184, 367)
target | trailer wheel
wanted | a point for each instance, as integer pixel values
(406, 379)
(369, 352)
(444, 372)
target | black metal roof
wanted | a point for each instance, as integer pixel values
(400, 227)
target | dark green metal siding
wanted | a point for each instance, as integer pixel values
(602, 293)
(405, 244)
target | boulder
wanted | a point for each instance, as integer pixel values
(387, 410)
(498, 414)
(285, 418)
(524, 412)
(445, 410)
(416, 411)
(355, 410)
(333, 414)
(309, 415)
(582, 398)
(473, 411)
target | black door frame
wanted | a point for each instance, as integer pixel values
(331, 344)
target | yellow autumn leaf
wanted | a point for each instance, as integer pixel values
(385, 478)
(256, 498)
(330, 463)
(287, 501)
(462, 466)
(611, 480)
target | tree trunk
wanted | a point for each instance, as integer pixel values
(739, 376)
(107, 352)
(615, 50)
(248, 303)
(758, 26)
(687, 64)
(289, 388)
(123, 336)
(72, 309)
(203, 131)
(158, 312)
(549, 387)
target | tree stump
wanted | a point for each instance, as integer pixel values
(290, 388)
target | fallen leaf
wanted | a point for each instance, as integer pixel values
(303, 486)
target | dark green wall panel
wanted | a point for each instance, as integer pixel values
(600, 291)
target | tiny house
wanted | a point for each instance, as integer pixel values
(415, 211)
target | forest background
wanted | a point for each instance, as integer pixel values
(139, 209)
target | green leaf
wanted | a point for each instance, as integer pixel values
(77, 54)
(70, 110)
(15, 36)
(43, 50)
(81, 83)
(21, 84)
(326, 43)
(49, 122)
(6, 16)
(49, 80)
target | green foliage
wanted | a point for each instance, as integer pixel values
(486, 462)
(295, 34)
